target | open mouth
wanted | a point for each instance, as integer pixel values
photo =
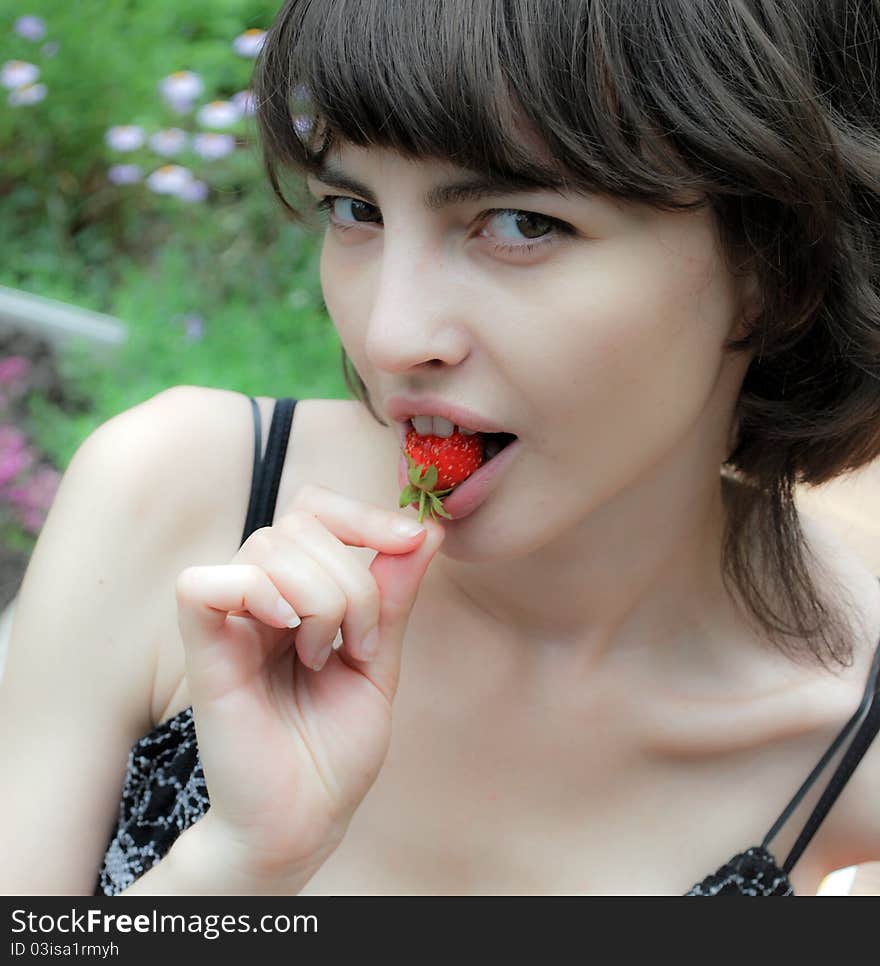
(493, 443)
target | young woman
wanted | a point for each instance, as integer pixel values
(641, 238)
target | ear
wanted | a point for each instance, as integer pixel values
(749, 302)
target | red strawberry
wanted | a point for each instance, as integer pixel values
(436, 466)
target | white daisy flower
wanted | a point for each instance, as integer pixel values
(213, 146)
(181, 107)
(168, 142)
(125, 137)
(30, 27)
(303, 124)
(244, 102)
(218, 114)
(124, 173)
(180, 87)
(170, 179)
(250, 42)
(193, 191)
(29, 94)
(17, 73)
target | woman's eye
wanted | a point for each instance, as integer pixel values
(327, 205)
(522, 231)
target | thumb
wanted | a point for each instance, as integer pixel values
(399, 577)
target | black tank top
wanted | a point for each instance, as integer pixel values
(164, 789)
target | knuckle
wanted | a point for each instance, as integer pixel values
(260, 540)
(184, 585)
(294, 523)
(338, 601)
(254, 577)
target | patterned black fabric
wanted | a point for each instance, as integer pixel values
(164, 793)
(750, 873)
(164, 790)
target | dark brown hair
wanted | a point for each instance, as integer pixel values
(764, 110)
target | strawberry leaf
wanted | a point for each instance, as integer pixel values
(437, 507)
(408, 495)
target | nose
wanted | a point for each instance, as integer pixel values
(417, 312)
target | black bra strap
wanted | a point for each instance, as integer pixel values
(267, 471)
(870, 707)
(255, 475)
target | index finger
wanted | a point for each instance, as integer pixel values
(356, 523)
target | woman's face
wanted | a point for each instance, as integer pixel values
(596, 337)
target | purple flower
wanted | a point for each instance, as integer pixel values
(169, 141)
(244, 101)
(213, 146)
(170, 179)
(193, 191)
(30, 27)
(194, 328)
(219, 114)
(27, 95)
(303, 125)
(180, 89)
(250, 43)
(125, 137)
(125, 173)
(18, 73)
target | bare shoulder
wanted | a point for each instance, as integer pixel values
(328, 438)
(840, 520)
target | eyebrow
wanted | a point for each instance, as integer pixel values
(440, 196)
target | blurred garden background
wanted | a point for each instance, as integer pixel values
(131, 185)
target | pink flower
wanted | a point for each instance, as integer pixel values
(15, 457)
(33, 498)
(13, 368)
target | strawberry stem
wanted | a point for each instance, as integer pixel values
(422, 479)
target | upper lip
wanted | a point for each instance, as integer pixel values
(404, 406)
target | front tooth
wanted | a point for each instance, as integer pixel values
(467, 432)
(424, 425)
(443, 427)
(435, 426)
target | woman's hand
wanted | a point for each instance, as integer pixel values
(289, 751)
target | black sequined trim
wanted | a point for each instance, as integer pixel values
(164, 793)
(750, 873)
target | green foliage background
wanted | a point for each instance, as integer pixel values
(150, 260)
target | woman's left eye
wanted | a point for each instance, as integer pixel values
(516, 220)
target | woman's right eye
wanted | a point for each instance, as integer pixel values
(326, 207)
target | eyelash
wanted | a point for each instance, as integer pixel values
(326, 203)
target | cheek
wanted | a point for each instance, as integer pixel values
(345, 302)
(634, 346)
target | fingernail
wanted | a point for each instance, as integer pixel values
(321, 659)
(407, 528)
(370, 644)
(288, 614)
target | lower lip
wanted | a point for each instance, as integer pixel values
(467, 496)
